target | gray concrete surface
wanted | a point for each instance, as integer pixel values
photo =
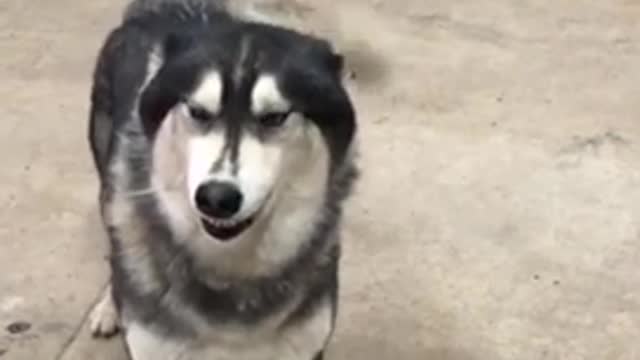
(498, 217)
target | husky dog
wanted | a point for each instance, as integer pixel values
(224, 148)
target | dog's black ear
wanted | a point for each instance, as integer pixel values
(313, 80)
(321, 52)
(335, 62)
(174, 78)
(156, 100)
(175, 44)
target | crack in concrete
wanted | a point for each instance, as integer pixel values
(78, 328)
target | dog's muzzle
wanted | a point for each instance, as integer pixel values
(219, 202)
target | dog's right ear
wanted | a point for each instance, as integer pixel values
(171, 81)
(177, 43)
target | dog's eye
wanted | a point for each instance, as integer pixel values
(273, 120)
(199, 114)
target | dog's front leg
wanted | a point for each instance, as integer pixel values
(103, 320)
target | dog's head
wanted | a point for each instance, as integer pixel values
(248, 123)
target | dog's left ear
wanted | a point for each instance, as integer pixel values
(332, 61)
(336, 63)
(314, 83)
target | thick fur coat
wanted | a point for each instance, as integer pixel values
(187, 94)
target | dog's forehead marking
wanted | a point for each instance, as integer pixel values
(266, 96)
(208, 93)
(243, 61)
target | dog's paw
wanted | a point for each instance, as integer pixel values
(103, 320)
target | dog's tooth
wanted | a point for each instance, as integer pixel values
(220, 223)
(228, 223)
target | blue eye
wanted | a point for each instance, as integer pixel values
(273, 120)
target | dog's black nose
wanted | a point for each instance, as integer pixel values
(218, 199)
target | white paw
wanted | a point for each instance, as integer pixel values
(103, 320)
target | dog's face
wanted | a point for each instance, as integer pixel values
(247, 128)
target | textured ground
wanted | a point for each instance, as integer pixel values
(499, 214)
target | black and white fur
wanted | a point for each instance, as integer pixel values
(186, 93)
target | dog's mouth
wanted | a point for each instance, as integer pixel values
(225, 230)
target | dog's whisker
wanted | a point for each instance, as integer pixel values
(140, 193)
(149, 191)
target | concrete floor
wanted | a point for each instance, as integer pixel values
(499, 214)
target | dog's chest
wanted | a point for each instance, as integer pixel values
(299, 341)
